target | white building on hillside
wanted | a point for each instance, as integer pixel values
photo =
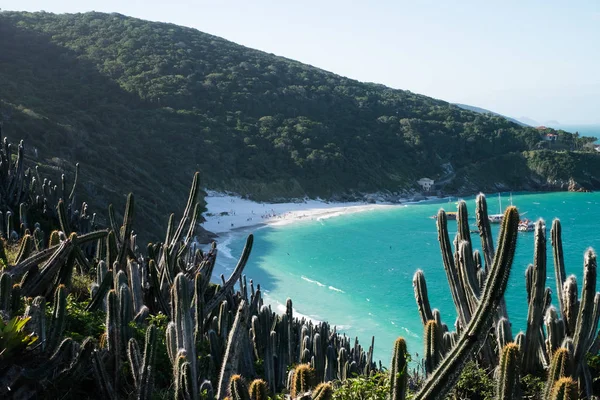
(425, 183)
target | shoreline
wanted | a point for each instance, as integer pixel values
(228, 213)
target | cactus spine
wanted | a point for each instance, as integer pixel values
(398, 371)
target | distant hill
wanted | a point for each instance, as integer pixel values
(528, 121)
(153, 102)
(484, 111)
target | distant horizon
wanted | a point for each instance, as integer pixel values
(537, 66)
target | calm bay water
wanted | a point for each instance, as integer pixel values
(355, 271)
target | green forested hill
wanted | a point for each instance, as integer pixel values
(153, 102)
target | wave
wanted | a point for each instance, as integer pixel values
(312, 281)
(322, 284)
(223, 247)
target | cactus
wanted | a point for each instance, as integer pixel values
(58, 318)
(323, 391)
(63, 218)
(433, 346)
(5, 291)
(398, 371)
(560, 367)
(142, 369)
(570, 304)
(126, 231)
(531, 361)
(184, 327)
(420, 288)
(113, 332)
(509, 379)
(456, 288)
(565, 389)
(503, 333)
(302, 380)
(25, 249)
(447, 372)
(559, 262)
(554, 329)
(233, 350)
(3, 257)
(54, 239)
(342, 359)
(258, 390)
(238, 388)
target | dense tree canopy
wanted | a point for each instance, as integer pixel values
(153, 102)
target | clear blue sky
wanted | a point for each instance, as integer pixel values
(533, 58)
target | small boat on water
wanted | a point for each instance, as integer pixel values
(527, 225)
(497, 218)
(450, 215)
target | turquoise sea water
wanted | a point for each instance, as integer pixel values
(584, 130)
(355, 271)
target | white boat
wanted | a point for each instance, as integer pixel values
(497, 218)
(526, 225)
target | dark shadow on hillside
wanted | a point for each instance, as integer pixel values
(61, 105)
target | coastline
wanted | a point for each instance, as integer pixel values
(227, 213)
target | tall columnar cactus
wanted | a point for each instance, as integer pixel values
(531, 360)
(126, 231)
(565, 389)
(184, 326)
(456, 288)
(302, 380)
(342, 360)
(509, 377)
(433, 346)
(233, 350)
(258, 390)
(587, 322)
(238, 388)
(560, 367)
(555, 330)
(59, 312)
(113, 332)
(559, 263)
(420, 288)
(503, 333)
(142, 369)
(475, 332)
(399, 371)
(5, 291)
(570, 304)
(25, 249)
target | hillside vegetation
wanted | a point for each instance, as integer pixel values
(153, 102)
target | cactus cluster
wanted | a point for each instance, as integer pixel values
(218, 335)
(555, 341)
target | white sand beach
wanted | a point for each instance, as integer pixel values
(226, 212)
